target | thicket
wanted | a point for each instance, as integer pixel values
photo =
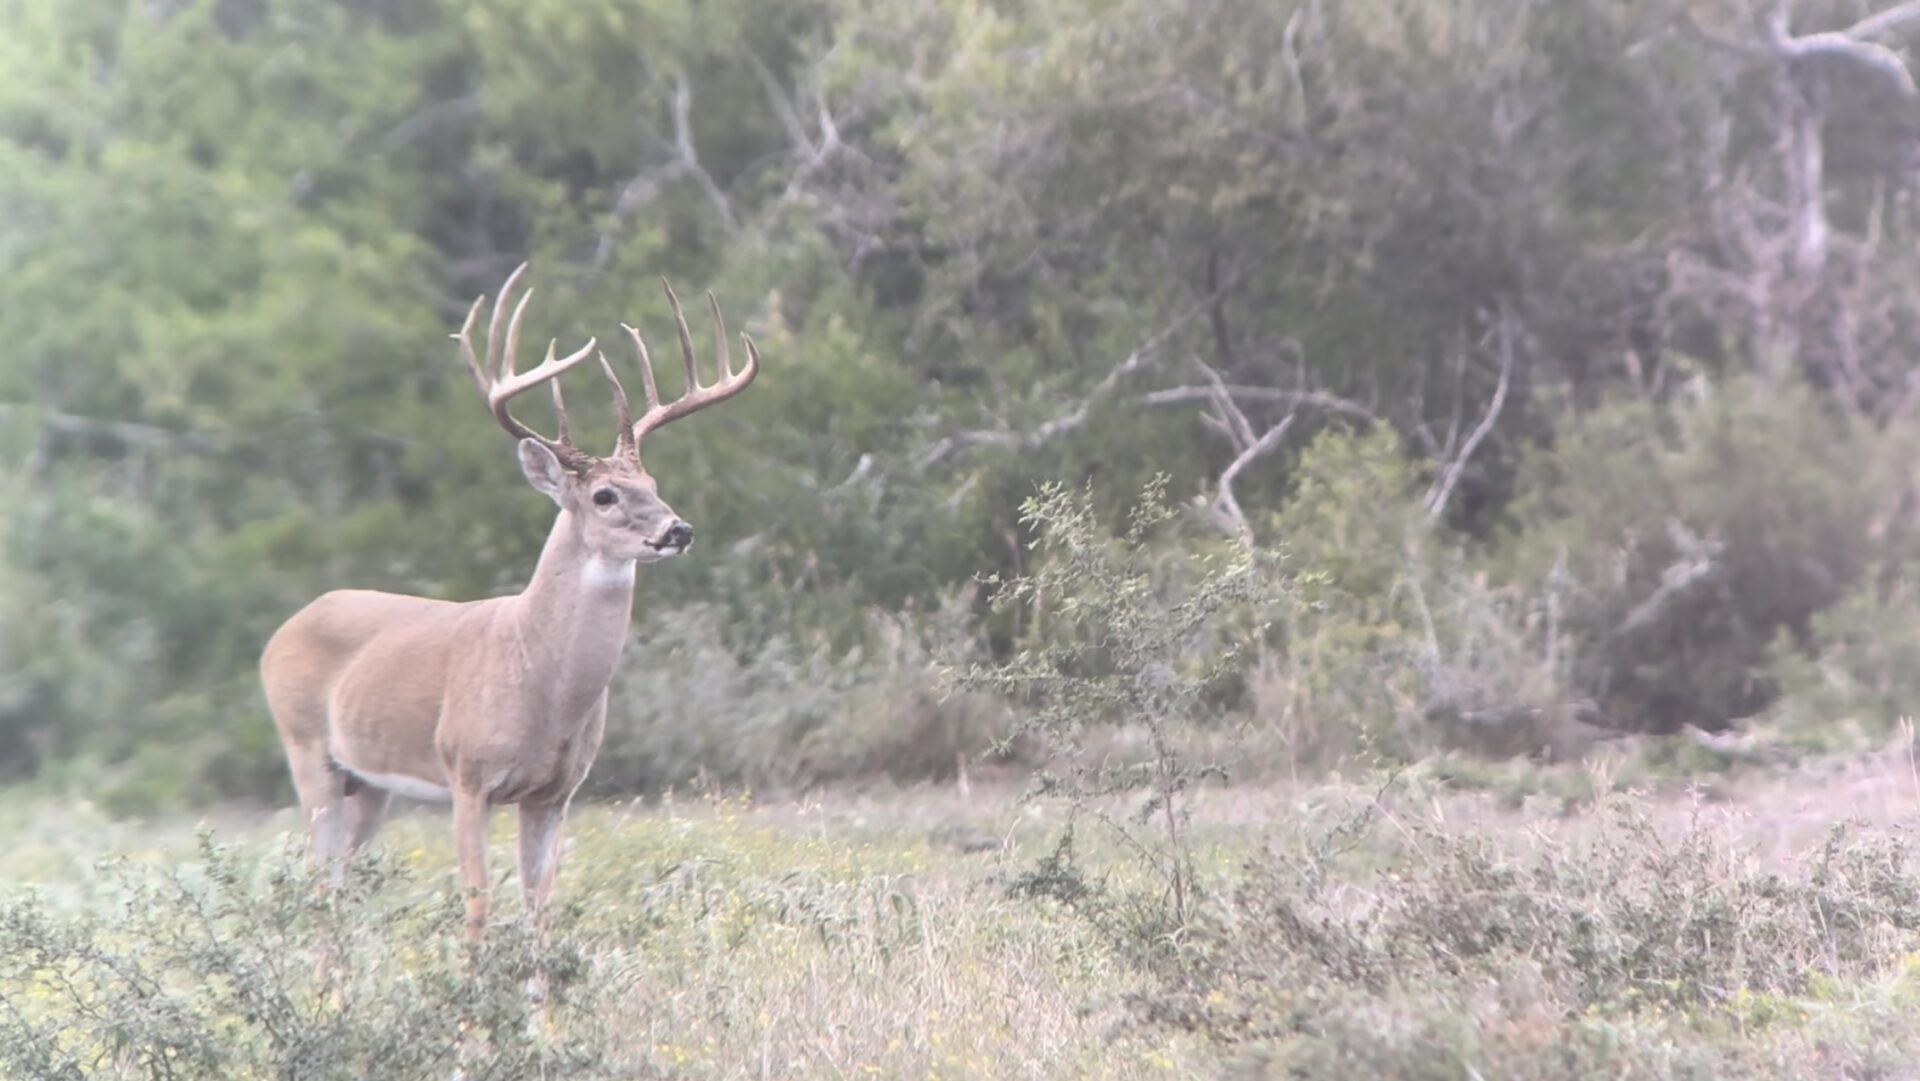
(1564, 346)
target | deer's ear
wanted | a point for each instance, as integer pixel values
(541, 467)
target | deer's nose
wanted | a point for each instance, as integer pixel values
(679, 535)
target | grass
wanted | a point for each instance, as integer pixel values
(857, 938)
(1770, 929)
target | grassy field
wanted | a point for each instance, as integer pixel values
(1760, 926)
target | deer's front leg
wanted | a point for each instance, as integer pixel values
(540, 825)
(470, 809)
(539, 856)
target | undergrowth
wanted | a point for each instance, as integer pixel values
(209, 968)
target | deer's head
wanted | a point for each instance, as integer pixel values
(613, 500)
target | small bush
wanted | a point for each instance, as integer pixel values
(1124, 634)
(1861, 670)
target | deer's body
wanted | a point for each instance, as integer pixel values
(498, 701)
(418, 696)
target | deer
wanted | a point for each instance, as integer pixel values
(501, 701)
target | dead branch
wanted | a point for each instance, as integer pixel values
(1890, 19)
(689, 159)
(1228, 418)
(1332, 403)
(1442, 489)
(1698, 562)
(1852, 43)
(646, 186)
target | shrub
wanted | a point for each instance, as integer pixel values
(1421, 952)
(1123, 633)
(1405, 643)
(207, 971)
(1692, 536)
(685, 706)
(1861, 669)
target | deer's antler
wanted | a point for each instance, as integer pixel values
(497, 380)
(695, 397)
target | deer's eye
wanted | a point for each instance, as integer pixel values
(605, 497)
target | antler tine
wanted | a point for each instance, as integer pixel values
(686, 338)
(499, 309)
(646, 366)
(720, 338)
(559, 403)
(623, 413)
(500, 393)
(465, 338)
(503, 366)
(695, 397)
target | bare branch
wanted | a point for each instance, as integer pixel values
(1320, 399)
(1751, 50)
(1225, 507)
(1227, 415)
(1142, 356)
(1851, 43)
(782, 104)
(429, 117)
(689, 159)
(1837, 43)
(1698, 563)
(1890, 19)
(1442, 489)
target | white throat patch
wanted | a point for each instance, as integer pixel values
(607, 573)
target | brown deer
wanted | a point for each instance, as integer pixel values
(494, 701)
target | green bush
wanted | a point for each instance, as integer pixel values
(1861, 670)
(1122, 632)
(1403, 643)
(686, 707)
(1691, 536)
(207, 970)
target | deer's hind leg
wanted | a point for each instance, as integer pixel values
(366, 811)
(322, 789)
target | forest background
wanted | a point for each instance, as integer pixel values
(1563, 354)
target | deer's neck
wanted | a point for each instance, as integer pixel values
(573, 616)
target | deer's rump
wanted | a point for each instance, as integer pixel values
(362, 675)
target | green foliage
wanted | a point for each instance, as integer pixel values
(1861, 672)
(694, 937)
(980, 246)
(791, 715)
(207, 970)
(1406, 643)
(1692, 536)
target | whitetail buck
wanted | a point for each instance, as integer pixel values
(494, 701)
